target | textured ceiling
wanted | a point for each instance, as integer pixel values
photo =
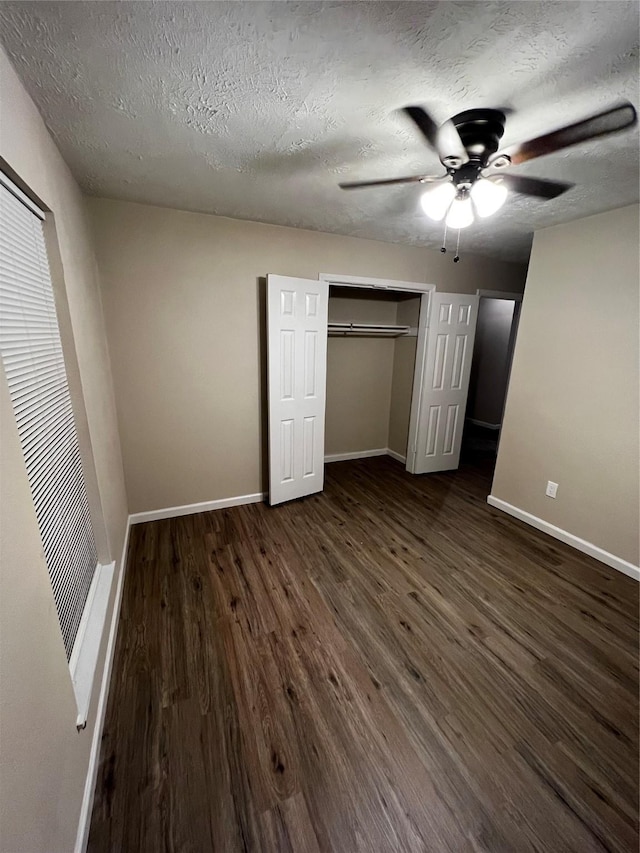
(257, 110)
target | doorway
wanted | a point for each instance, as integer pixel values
(371, 352)
(298, 326)
(496, 330)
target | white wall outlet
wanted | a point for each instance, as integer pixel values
(552, 489)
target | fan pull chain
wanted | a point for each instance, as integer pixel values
(444, 240)
(443, 248)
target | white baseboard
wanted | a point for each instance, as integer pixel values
(357, 454)
(224, 503)
(394, 455)
(365, 454)
(569, 538)
(191, 509)
(84, 822)
(483, 423)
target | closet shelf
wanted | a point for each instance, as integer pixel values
(369, 330)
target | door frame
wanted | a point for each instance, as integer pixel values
(424, 291)
(499, 294)
(338, 279)
(513, 334)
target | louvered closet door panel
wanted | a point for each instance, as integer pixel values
(34, 367)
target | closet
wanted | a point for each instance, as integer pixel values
(360, 367)
(371, 351)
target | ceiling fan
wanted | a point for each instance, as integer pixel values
(468, 148)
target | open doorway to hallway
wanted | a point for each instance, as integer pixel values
(498, 316)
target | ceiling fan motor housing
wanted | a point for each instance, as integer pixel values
(480, 132)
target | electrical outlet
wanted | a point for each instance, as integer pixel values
(552, 489)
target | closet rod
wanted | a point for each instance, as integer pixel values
(368, 329)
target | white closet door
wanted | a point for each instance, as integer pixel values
(297, 378)
(445, 381)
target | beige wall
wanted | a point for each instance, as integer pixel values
(358, 378)
(572, 407)
(43, 759)
(365, 309)
(358, 394)
(183, 296)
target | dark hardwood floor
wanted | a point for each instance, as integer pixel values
(391, 665)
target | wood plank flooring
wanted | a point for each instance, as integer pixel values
(391, 665)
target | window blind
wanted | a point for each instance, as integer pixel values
(32, 357)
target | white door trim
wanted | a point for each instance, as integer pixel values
(515, 323)
(375, 283)
(418, 376)
(499, 294)
(424, 291)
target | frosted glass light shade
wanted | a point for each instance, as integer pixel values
(436, 200)
(460, 213)
(488, 196)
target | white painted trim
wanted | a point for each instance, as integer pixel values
(483, 423)
(84, 657)
(568, 538)
(364, 454)
(376, 283)
(418, 374)
(15, 190)
(86, 808)
(82, 627)
(191, 509)
(356, 454)
(499, 294)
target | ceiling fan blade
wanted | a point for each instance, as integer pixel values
(535, 186)
(617, 118)
(412, 179)
(444, 139)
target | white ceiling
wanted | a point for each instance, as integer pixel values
(257, 110)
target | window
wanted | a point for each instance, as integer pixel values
(32, 357)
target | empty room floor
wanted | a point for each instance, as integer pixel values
(390, 665)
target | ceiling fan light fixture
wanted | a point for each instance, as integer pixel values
(436, 200)
(460, 213)
(488, 196)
